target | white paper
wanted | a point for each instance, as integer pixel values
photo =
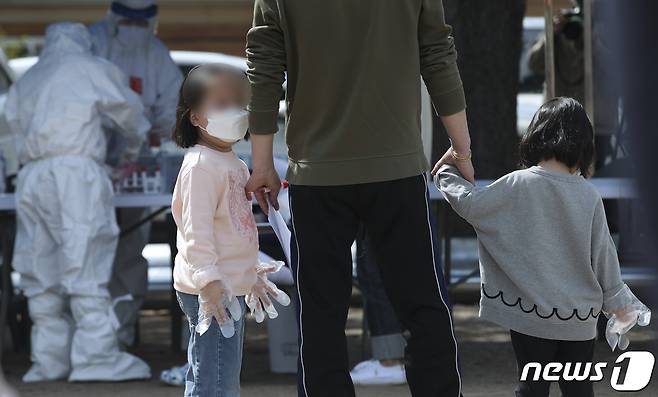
(280, 229)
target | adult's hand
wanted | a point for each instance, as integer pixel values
(264, 181)
(465, 167)
(445, 159)
(265, 184)
(456, 126)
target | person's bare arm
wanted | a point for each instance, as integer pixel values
(438, 66)
(264, 180)
(457, 127)
(266, 60)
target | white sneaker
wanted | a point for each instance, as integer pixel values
(372, 372)
(175, 376)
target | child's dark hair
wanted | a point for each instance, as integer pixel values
(562, 131)
(191, 95)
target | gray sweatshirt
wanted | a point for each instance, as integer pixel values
(547, 261)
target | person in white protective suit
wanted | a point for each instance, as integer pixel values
(66, 226)
(126, 38)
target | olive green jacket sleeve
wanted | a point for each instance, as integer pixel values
(438, 59)
(266, 61)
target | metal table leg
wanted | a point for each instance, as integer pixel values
(7, 231)
(176, 321)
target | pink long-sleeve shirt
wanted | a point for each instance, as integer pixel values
(217, 237)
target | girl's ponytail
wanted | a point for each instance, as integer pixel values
(185, 134)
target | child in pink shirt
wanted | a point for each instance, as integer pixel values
(217, 261)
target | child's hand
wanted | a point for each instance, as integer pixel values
(625, 313)
(623, 321)
(258, 300)
(215, 299)
(465, 167)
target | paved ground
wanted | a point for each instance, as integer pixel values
(487, 363)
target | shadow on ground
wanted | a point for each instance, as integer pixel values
(487, 360)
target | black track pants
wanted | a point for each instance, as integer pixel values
(530, 349)
(396, 217)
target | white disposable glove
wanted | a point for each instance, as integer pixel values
(627, 311)
(217, 300)
(258, 300)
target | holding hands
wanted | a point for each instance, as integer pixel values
(459, 153)
(460, 160)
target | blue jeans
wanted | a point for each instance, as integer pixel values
(214, 361)
(386, 340)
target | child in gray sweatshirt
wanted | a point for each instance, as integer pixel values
(548, 264)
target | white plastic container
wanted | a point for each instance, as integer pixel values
(282, 340)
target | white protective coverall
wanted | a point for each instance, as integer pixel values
(151, 73)
(66, 226)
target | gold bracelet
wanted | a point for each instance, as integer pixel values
(458, 157)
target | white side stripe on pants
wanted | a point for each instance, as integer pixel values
(299, 297)
(438, 285)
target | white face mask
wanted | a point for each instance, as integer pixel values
(133, 36)
(230, 125)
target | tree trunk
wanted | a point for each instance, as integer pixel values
(488, 37)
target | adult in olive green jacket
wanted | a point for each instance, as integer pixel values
(356, 157)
